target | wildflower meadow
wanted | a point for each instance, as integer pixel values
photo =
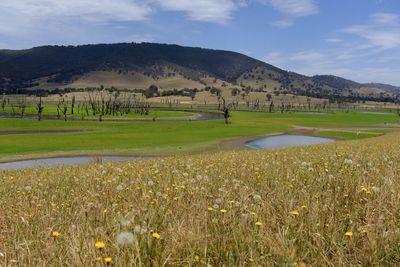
(323, 205)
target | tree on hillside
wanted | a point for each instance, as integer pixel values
(215, 91)
(152, 91)
(235, 92)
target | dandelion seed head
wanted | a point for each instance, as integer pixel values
(348, 161)
(120, 187)
(125, 222)
(125, 238)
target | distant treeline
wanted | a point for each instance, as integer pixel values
(151, 91)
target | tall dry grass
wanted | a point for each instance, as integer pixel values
(327, 205)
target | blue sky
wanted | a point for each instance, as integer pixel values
(355, 39)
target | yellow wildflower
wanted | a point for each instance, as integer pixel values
(156, 235)
(295, 212)
(348, 233)
(364, 189)
(258, 223)
(55, 234)
(99, 245)
(223, 211)
(210, 209)
(108, 260)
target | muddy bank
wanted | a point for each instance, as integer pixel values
(62, 161)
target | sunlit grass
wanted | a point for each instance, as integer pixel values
(162, 138)
(348, 135)
(327, 205)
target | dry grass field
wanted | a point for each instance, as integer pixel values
(326, 205)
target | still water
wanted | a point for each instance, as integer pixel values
(286, 141)
(61, 161)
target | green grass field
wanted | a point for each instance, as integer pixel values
(165, 138)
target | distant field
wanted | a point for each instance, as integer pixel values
(166, 138)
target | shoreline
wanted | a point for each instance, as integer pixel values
(222, 145)
(235, 143)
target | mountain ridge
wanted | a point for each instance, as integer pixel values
(61, 66)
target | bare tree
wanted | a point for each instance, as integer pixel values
(21, 104)
(59, 108)
(65, 109)
(72, 105)
(271, 106)
(225, 109)
(3, 102)
(39, 108)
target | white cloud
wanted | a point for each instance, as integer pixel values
(386, 18)
(219, 11)
(36, 22)
(86, 10)
(351, 64)
(283, 23)
(381, 75)
(333, 40)
(275, 58)
(382, 32)
(296, 8)
(27, 19)
(307, 56)
(372, 56)
(292, 9)
(28, 15)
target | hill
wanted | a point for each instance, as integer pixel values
(137, 66)
(386, 87)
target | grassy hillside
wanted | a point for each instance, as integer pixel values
(63, 63)
(327, 205)
(131, 65)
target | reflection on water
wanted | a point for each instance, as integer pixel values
(286, 141)
(61, 161)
